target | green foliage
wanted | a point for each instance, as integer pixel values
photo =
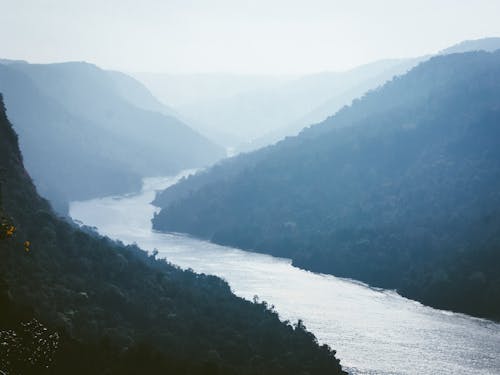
(118, 310)
(400, 190)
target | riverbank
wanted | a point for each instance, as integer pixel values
(374, 331)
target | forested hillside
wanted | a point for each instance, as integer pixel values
(400, 190)
(73, 302)
(86, 132)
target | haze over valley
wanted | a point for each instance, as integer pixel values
(267, 187)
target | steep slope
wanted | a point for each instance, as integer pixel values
(80, 131)
(119, 311)
(399, 190)
(62, 152)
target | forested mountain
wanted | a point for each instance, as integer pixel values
(83, 135)
(400, 189)
(72, 302)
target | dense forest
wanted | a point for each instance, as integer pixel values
(72, 302)
(85, 133)
(401, 189)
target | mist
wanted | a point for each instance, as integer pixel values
(273, 187)
(250, 37)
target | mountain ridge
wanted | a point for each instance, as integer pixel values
(88, 128)
(260, 115)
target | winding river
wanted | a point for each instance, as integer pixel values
(374, 331)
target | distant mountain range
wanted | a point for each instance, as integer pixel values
(86, 132)
(249, 112)
(192, 95)
(400, 189)
(340, 89)
(484, 44)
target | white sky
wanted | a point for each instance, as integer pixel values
(258, 36)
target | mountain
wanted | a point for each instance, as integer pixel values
(251, 114)
(137, 94)
(339, 92)
(400, 189)
(83, 124)
(485, 44)
(192, 95)
(74, 302)
(187, 89)
(245, 113)
(61, 151)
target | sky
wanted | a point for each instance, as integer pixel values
(235, 36)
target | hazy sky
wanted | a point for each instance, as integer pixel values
(258, 36)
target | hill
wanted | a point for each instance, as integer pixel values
(82, 126)
(399, 190)
(75, 302)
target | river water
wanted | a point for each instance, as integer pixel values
(374, 331)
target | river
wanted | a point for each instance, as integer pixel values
(374, 331)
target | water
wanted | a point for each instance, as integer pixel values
(373, 331)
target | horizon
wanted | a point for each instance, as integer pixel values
(238, 38)
(240, 74)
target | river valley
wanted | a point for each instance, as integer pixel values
(374, 331)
